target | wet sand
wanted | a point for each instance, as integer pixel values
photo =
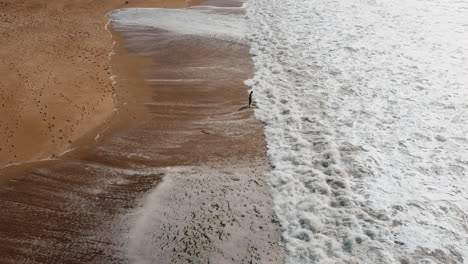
(184, 183)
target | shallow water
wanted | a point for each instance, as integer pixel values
(365, 105)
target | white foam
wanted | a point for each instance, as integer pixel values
(113, 79)
(365, 106)
(147, 217)
(204, 22)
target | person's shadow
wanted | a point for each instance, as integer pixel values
(244, 107)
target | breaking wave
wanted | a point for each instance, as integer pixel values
(365, 109)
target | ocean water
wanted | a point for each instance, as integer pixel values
(365, 105)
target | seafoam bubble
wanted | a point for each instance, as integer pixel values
(201, 21)
(364, 110)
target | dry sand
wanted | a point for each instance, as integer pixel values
(55, 70)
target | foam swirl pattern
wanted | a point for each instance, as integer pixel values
(365, 107)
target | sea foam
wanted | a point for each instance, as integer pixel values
(365, 107)
(204, 21)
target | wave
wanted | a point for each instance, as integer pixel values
(365, 123)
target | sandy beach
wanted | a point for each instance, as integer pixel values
(179, 172)
(55, 87)
(55, 76)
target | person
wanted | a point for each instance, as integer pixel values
(126, 2)
(250, 98)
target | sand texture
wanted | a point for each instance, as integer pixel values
(185, 182)
(55, 70)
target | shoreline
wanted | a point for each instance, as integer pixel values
(180, 142)
(216, 174)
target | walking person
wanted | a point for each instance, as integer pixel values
(250, 98)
